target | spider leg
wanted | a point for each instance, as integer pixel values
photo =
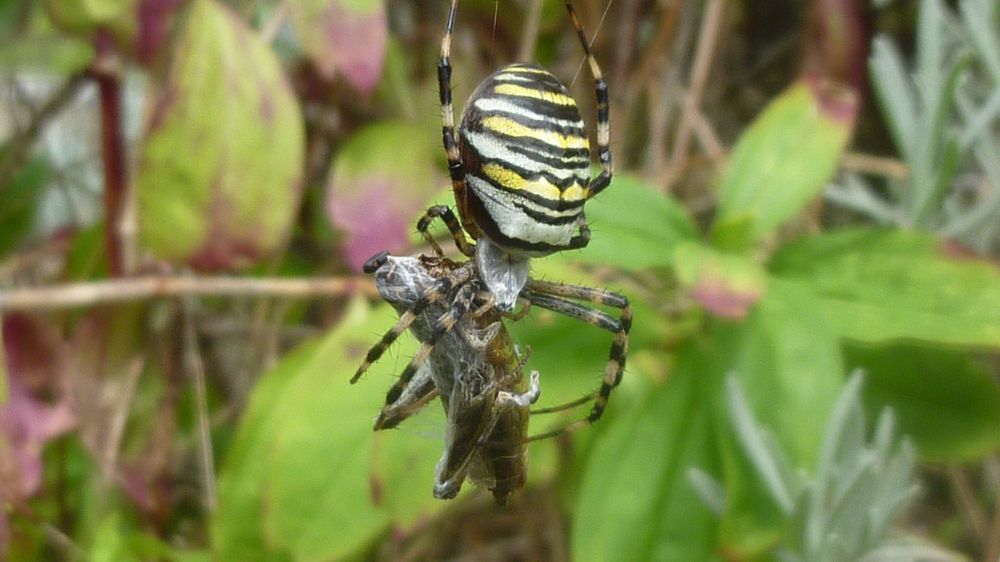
(553, 296)
(420, 391)
(459, 308)
(455, 167)
(457, 234)
(603, 128)
(439, 290)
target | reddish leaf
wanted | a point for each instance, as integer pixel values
(153, 19)
(836, 43)
(35, 361)
(726, 285)
(373, 220)
(344, 37)
(381, 178)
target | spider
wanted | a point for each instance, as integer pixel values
(477, 371)
(520, 174)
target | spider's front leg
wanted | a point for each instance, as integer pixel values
(457, 234)
(456, 169)
(553, 296)
(603, 119)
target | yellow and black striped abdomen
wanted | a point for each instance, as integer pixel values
(527, 160)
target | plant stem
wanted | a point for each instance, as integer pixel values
(74, 295)
(107, 74)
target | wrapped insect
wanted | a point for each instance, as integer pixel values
(473, 366)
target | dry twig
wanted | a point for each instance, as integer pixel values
(114, 291)
(707, 41)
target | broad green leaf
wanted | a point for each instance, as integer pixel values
(789, 365)
(306, 477)
(727, 285)
(220, 169)
(948, 402)
(782, 161)
(879, 286)
(345, 37)
(633, 227)
(636, 502)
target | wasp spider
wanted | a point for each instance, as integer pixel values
(478, 373)
(520, 173)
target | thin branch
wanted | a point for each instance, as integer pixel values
(529, 39)
(196, 369)
(891, 168)
(965, 497)
(107, 74)
(119, 416)
(19, 147)
(273, 25)
(707, 41)
(73, 295)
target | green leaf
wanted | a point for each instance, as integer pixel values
(878, 286)
(20, 201)
(306, 477)
(634, 227)
(635, 501)
(109, 543)
(948, 402)
(84, 16)
(789, 364)
(220, 169)
(783, 160)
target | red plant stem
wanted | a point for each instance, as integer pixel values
(107, 75)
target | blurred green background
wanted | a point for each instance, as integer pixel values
(805, 216)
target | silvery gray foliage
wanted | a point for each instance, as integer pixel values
(943, 114)
(845, 509)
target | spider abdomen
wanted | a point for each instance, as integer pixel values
(527, 160)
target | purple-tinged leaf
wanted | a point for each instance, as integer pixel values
(726, 285)
(373, 220)
(345, 37)
(836, 43)
(381, 178)
(35, 360)
(153, 20)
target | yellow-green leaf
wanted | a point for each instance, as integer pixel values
(782, 161)
(220, 169)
